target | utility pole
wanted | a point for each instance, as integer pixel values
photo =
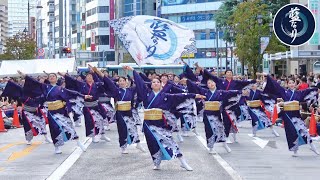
(29, 17)
(217, 50)
(60, 28)
(65, 23)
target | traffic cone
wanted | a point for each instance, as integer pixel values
(313, 125)
(2, 129)
(275, 114)
(15, 121)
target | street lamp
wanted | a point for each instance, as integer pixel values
(217, 49)
(31, 7)
(271, 28)
(231, 32)
(259, 17)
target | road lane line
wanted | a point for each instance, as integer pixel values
(4, 148)
(68, 163)
(226, 166)
(24, 152)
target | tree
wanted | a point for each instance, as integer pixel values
(248, 33)
(224, 18)
(275, 5)
(19, 47)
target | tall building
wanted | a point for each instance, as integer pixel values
(131, 8)
(18, 15)
(81, 25)
(3, 23)
(137, 7)
(198, 15)
(55, 22)
(98, 38)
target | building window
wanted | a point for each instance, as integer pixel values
(128, 1)
(78, 37)
(102, 40)
(212, 35)
(128, 7)
(103, 9)
(88, 42)
(93, 11)
(89, 13)
(103, 24)
(73, 17)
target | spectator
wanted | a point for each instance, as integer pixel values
(2, 84)
(303, 85)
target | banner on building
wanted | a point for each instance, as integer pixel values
(112, 39)
(314, 6)
(154, 40)
(264, 42)
(196, 17)
(93, 40)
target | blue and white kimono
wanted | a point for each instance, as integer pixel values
(259, 118)
(296, 131)
(158, 135)
(92, 111)
(32, 119)
(213, 124)
(127, 128)
(232, 111)
(60, 124)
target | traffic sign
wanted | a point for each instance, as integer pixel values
(40, 52)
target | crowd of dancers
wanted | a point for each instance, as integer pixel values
(221, 103)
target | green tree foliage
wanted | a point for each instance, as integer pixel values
(244, 21)
(19, 47)
(275, 5)
(224, 17)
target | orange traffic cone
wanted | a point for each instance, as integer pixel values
(275, 114)
(313, 125)
(2, 129)
(15, 121)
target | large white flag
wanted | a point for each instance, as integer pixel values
(154, 40)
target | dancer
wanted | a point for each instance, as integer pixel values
(259, 118)
(124, 96)
(60, 124)
(296, 131)
(214, 126)
(159, 139)
(32, 119)
(232, 113)
(91, 110)
(107, 110)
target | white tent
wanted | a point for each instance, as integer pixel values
(37, 66)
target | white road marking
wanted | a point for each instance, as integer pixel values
(67, 163)
(260, 142)
(226, 166)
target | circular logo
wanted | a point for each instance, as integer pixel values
(294, 24)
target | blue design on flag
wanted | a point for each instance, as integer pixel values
(160, 29)
(154, 40)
